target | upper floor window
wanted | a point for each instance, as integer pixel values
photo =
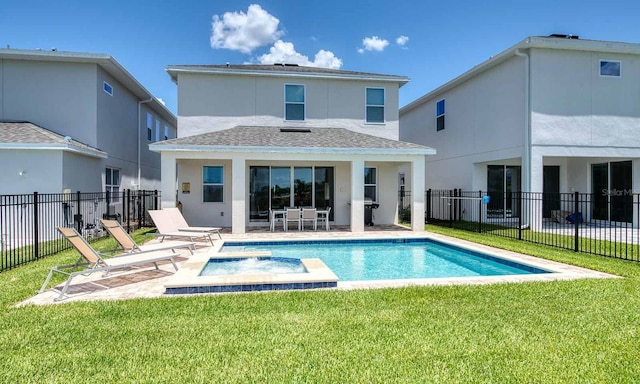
(294, 96)
(212, 184)
(166, 132)
(107, 88)
(157, 130)
(375, 105)
(149, 127)
(370, 184)
(610, 68)
(112, 183)
(440, 115)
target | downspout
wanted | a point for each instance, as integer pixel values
(526, 158)
(139, 134)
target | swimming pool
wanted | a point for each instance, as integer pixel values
(252, 265)
(357, 260)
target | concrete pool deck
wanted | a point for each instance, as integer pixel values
(147, 282)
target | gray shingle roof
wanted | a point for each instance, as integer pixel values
(24, 133)
(284, 138)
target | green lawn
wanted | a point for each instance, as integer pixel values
(583, 331)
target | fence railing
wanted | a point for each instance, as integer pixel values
(606, 225)
(28, 222)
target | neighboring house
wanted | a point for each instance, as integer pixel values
(76, 121)
(549, 114)
(252, 138)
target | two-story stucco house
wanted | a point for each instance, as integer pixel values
(76, 121)
(549, 114)
(252, 138)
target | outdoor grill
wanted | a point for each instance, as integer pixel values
(369, 206)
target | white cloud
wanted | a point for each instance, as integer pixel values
(402, 40)
(285, 52)
(244, 32)
(373, 43)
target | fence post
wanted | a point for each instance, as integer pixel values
(128, 199)
(480, 211)
(77, 215)
(144, 209)
(36, 241)
(450, 209)
(428, 204)
(139, 195)
(108, 198)
(520, 215)
(155, 199)
(576, 207)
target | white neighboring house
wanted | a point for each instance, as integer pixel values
(252, 138)
(107, 116)
(549, 114)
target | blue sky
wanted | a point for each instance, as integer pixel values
(431, 42)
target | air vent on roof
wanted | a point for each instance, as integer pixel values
(299, 130)
(561, 36)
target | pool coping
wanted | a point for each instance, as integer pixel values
(188, 279)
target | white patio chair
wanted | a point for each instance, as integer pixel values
(323, 217)
(292, 215)
(309, 215)
(276, 216)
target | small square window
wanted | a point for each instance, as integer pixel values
(440, 115)
(107, 88)
(610, 68)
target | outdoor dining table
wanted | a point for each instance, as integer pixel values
(282, 214)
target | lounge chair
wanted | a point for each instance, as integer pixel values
(95, 263)
(178, 219)
(127, 244)
(167, 227)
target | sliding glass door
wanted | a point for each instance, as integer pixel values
(272, 187)
(611, 185)
(503, 185)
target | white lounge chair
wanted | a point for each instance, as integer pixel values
(127, 244)
(178, 219)
(167, 228)
(95, 263)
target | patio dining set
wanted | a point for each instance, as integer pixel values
(299, 216)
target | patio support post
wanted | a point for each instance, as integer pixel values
(417, 198)
(168, 176)
(535, 219)
(238, 195)
(357, 195)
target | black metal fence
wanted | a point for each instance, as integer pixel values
(604, 224)
(28, 222)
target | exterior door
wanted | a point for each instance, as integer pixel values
(550, 189)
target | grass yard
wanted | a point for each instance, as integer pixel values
(571, 331)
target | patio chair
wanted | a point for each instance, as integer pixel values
(178, 219)
(323, 217)
(127, 244)
(276, 216)
(292, 215)
(310, 215)
(95, 263)
(168, 228)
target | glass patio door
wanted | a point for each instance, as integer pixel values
(280, 187)
(503, 185)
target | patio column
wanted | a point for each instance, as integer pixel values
(537, 167)
(168, 179)
(357, 195)
(238, 193)
(417, 194)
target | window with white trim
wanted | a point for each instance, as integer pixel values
(212, 184)
(294, 100)
(107, 88)
(374, 105)
(440, 115)
(149, 127)
(610, 68)
(371, 184)
(112, 183)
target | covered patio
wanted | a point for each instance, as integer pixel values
(236, 177)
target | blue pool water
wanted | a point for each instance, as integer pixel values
(390, 259)
(251, 265)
